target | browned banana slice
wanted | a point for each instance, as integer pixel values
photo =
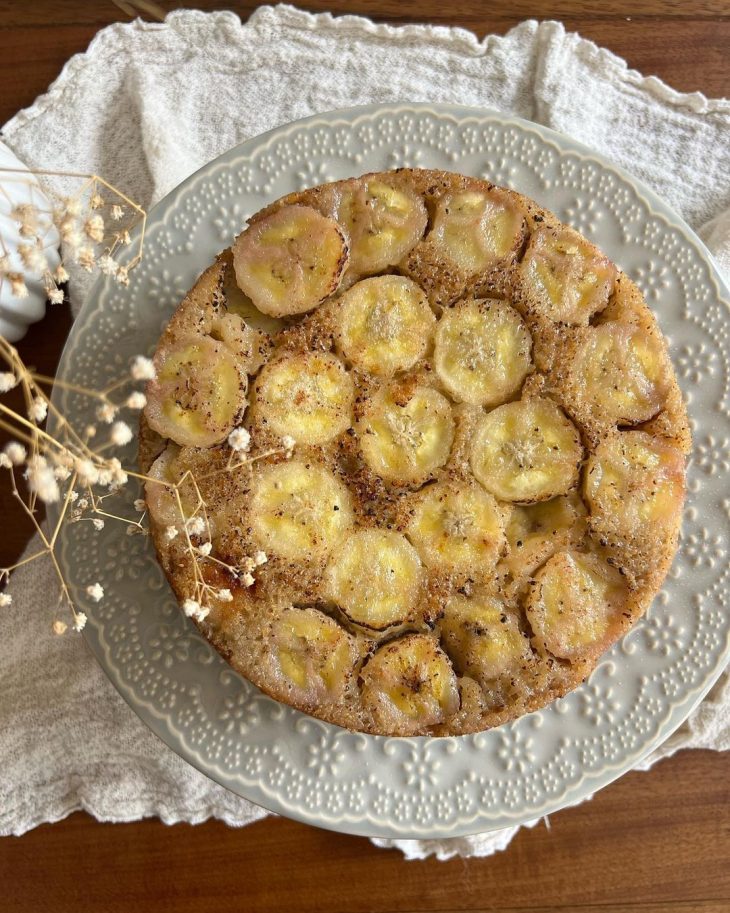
(385, 324)
(308, 396)
(564, 277)
(375, 578)
(537, 531)
(290, 261)
(575, 605)
(456, 527)
(635, 481)
(482, 637)
(383, 223)
(476, 229)
(406, 439)
(482, 352)
(526, 451)
(313, 655)
(199, 392)
(408, 685)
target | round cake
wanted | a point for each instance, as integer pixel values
(416, 453)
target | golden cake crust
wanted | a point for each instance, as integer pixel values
(526, 514)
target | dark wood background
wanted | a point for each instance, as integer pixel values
(649, 843)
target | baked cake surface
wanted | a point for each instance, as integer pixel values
(466, 466)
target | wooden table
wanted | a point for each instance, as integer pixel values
(650, 843)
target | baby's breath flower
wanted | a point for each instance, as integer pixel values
(4, 265)
(72, 496)
(25, 213)
(73, 206)
(142, 368)
(119, 476)
(41, 480)
(116, 212)
(80, 619)
(122, 275)
(61, 473)
(96, 201)
(239, 440)
(136, 400)
(196, 526)
(85, 258)
(32, 257)
(59, 627)
(260, 558)
(248, 579)
(193, 609)
(90, 431)
(205, 549)
(87, 471)
(121, 434)
(107, 265)
(140, 505)
(17, 285)
(38, 409)
(98, 523)
(124, 237)
(7, 381)
(95, 592)
(105, 477)
(83, 504)
(106, 412)
(16, 452)
(55, 296)
(224, 595)
(5, 600)
(171, 533)
(60, 275)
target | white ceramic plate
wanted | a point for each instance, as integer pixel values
(419, 787)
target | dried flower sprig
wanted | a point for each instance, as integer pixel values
(93, 223)
(69, 467)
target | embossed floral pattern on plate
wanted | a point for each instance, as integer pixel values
(642, 689)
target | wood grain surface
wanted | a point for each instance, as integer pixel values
(649, 843)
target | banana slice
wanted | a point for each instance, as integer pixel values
(564, 277)
(375, 578)
(314, 656)
(384, 324)
(383, 223)
(406, 436)
(526, 451)
(456, 527)
(621, 372)
(308, 396)
(475, 230)
(409, 685)
(575, 605)
(199, 392)
(299, 510)
(482, 352)
(537, 531)
(290, 261)
(636, 481)
(482, 637)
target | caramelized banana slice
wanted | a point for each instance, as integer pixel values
(384, 324)
(537, 531)
(314, 656)
(456, 528)
(299, 510)
(290, 261)
(408, 685)
(307, 396)
(621, 373)
(375, 578)
(526, 451)
(564, 277)
(636, 482)
(475, 229)
(482, 637)
(482, 352)
(405, 440)
(199, 392)
(575, 605)
(383, 223)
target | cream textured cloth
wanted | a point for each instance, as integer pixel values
(148, 104)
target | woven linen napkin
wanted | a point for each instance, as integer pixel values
(148, 104)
